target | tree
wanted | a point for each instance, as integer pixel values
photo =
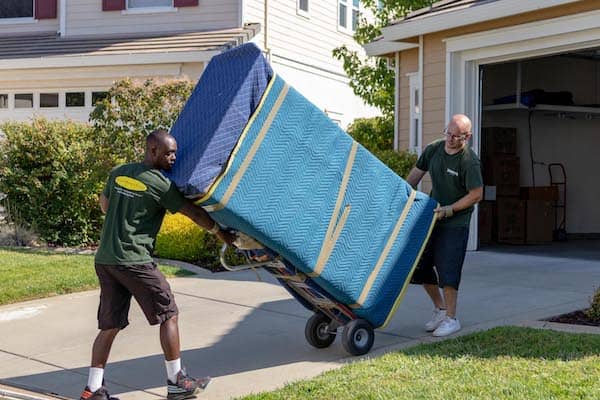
(370, 78)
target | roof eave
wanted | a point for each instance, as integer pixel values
(381, 48)
(466, 16)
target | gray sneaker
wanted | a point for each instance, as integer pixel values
(436, 319)
(185, 387)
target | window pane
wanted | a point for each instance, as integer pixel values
(16, 8)
(356, 3)
(24, 100)
(48, 99)
(75, 99)
(3, 101)
(303, 5)
(343, 11)
(149, 3)
(354, 19)
(98, 96)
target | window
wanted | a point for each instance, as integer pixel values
(415, 137)
(48, 100)
(24, 100)
(3, 101)
(148, 3)
(75, 99)
(348, 15)
(16, 9)
(98, 96)
(302, 7)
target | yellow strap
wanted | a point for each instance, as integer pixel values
(386, 251)
(252, 152)
(336, 222)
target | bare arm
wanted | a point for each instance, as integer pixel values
(414, 177)
(103, 203)
(201, 217)
(474, 196)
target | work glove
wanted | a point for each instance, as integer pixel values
(444, 212)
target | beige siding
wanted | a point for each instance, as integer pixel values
(309, 40)
(38, 26)
(85, 17)
(434, 71)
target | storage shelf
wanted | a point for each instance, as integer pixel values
(543, 107)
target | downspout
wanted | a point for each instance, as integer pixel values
(396, 100)
(266, 48)
(62, 30)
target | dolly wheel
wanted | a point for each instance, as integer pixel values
(358, 337)
(317, 331)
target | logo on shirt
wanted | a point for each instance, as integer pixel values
(451, 172)
(131, 184)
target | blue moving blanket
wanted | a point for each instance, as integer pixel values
(296, 182)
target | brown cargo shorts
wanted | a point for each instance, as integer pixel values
(145, 282)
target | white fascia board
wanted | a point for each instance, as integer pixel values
(383, 47)
(466, 16)
(108, 59)
(529, 31)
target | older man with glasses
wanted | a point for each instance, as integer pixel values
(457, 185)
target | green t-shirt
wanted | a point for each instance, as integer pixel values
(137, 199)
(452, 177)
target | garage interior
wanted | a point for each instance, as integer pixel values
(540, 142)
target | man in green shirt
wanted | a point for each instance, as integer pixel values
(457, 185)
(135, 200)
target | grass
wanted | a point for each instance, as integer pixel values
(502, 363)
(28, 274)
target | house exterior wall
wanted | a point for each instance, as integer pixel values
(300, 50)
(434, 71)
(27, 26)
(85, 17)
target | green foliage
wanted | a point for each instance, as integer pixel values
(594, 311)
(373, 133)
(370, 78)
(51, 172)
(401, 162)
(131, 111)
(377, 135)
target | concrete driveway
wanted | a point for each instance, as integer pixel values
(249, 334)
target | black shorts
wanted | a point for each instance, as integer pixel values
(445, 252)
(145, 282)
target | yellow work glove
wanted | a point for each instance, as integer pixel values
(444, 212)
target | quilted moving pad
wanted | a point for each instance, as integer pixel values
(300, 185)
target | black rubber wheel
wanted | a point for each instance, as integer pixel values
(317, 331)
(358, 337)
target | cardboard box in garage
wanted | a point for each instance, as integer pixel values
(503, 172)
(499, 140)
(548, 193)
(539, 221)
(487, 222)
(511, 220)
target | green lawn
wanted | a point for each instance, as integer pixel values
(503, 363)
(27, 274)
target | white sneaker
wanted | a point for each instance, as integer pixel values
(436, 319)
(447, 327)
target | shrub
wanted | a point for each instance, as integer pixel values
(52, 175)
(373, 133)
(401, 162)
(134, 109)
(594, 311)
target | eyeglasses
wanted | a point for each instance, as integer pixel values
(461, 137)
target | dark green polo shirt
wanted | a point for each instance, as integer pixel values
(138, 197)
(452, 177)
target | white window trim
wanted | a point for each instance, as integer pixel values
(301, 12)
(465, 53)
(349, 8)
(148, 10)
(415, 142)
(17, 21)
(62, 99)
